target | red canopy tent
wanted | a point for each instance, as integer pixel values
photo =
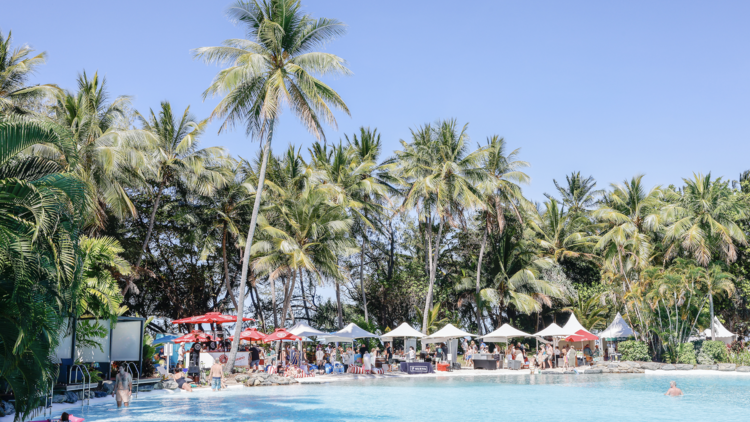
(251, 334)
(280, 335)
(194, 336)
(581, 335)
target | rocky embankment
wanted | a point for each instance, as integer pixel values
(261, 379)
(629, 367)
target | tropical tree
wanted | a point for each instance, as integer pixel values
(702, 222)
(100, 295)
(577, 194)
(177, 159)
(591, 313)
(441, 178)
(42, 211)
(276, 66)
(560, 234)
(16, 66)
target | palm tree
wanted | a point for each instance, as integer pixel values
(717, 283)
(589, 312)
(578, 194)
(560, 234)
(111, 155)
(703, 220)
(16, 66)
(276, 66)
(101, 295)
(43, 209)
(501, 191)
(177, 158)
(441, 177)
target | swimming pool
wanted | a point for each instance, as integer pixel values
(579, 398)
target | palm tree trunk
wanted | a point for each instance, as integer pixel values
(362, 277)
(148, 235)
(288, 293)
(248, 248)
(433, 258)
(481, 255)
(273, 304)
(338, 304)
(711, 307)
(226, 266)
(258, 307)
(304, 298)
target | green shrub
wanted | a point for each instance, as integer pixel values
(686, 353)
(712, 352)
(634, 350)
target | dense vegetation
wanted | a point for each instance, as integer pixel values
(106, 210)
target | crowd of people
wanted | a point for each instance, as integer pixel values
(544, 357)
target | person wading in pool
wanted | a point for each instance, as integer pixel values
(673, 390)
(123, 387)
(217, 375)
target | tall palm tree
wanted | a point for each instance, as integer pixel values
(702, 221)
(176, 157)
(441, 178)
(501, 191)
(559, 233)
(16, 66)
(111, 156)
(276, 66)
(589, 312)
(578, 194)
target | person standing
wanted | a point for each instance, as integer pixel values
(412, 354)
(572, 359)
(254, 357)
(123, 387)
(181, 354)
(389, 353)
(217, 376)
(320, 357)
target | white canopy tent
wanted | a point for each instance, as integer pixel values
(301, 329)
(554, 330)
(574, 325)
(502, 334)
(348, 334)
(722, 334)
(403, 330)
(444, 335)
(617, 329)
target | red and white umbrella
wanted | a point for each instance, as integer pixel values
(280, 335)
(581, 335)
(210, 317)
(194, 336)
(251, 334)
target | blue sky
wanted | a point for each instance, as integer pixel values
(612, 89)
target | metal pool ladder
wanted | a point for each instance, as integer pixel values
(86, 399)
(138, 375)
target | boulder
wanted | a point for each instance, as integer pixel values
(569, 372)
(266, 383)
(108, 386)
(637, 371)
(146, 387)
(727, 367)
(592, 371)
(241, 378)
(667, 368)
(684, 367)
(58, 398)
(707, 367)
(158, 386)
(652, 366)
(743, 369)
(71, 397)
(169, 384)
(613, 366)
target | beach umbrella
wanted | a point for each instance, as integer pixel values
(581, 335)
(194, 336)
(210, 318)
(280, 335)
(251, 334)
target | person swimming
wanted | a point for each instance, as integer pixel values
(673, 390)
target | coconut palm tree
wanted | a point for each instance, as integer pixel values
(578, 194)
(277, 66)
(16, 66)
(702, 222)
(441, 178)
(560, 234)
(589, 312)
(176, 158)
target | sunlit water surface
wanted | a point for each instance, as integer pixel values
(579, 398)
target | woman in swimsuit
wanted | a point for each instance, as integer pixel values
(179, 378)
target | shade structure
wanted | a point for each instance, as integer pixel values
(722, 334)
(301, 329)
(618, 329)
(573, 325)
(210, 317)
(349, 333)
(581, 335)
(502, 334)
(446, 333)
(251, 334)
(554, 330)
(194, 336)
(403, 330)
(281, 334)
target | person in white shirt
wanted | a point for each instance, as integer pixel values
(320, 356)
(366, 364)
(181, 354)
(412, 354)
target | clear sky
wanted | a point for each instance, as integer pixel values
(612, 88)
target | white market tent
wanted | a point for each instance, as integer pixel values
(502, 334)
(404, 330)
(617, 329)
(722, 334)
(574, 325)
(554, 330)
(348, 334)
(444, 335)
(301, 329)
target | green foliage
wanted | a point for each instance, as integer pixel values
(712, 352)
(686, 353)
(739, 357)
(89, 332)
(634, 350)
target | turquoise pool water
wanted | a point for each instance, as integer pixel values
(517, 398)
